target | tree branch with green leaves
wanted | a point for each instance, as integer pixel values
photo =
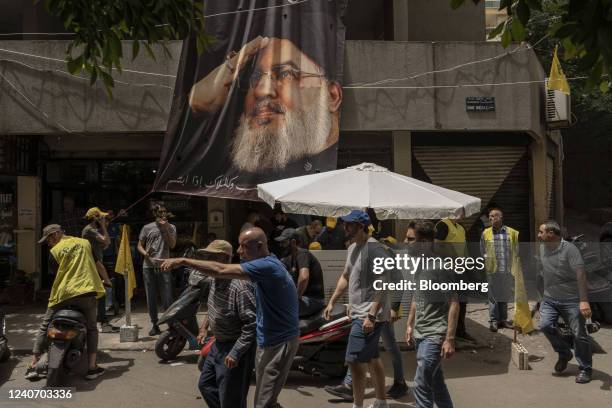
(583, 28)
(100, 25)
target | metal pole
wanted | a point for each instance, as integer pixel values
(128, 308)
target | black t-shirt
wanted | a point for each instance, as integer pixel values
(304, 259)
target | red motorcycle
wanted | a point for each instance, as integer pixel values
(322, 344)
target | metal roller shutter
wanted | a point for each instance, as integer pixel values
(495, 174)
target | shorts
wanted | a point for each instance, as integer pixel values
(361, 347)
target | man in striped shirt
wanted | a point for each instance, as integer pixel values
(225, 379)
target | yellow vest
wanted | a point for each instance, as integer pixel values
(490, 258)
(77, 273)
(455, 245)
(522, 314)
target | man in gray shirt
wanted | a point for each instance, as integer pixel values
(565, 295)
(432, 323)
(155, 241)
(369, 309)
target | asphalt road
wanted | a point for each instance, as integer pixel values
(481, 376)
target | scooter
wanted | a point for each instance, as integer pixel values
(322, 344)
(67, 334)
(181, 319)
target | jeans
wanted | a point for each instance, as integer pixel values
(498, 311)
(309, 306)
(550, 310)
(388, 336)
(429, 386)
(87, 305)
(156, 282)
(223, 387)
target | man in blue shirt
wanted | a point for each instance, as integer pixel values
(276, 304)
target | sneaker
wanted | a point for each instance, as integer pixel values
(32, 374)
(506, 324)
(561, 364)
(379, 404)
(583, 377)
(397, 390)
(465, 336)
(154, 330)
(95, 373)
(493, 327)
(341, 391)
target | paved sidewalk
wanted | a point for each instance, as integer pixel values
(23, 322)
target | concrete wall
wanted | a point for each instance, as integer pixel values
(435, 20)
(72, 102)
(518, 107)
(81, 108)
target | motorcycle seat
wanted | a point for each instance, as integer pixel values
(317, 320)
(70, 314)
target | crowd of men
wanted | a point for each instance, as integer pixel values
(254, 306)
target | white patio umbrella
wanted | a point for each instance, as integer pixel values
(391, 195)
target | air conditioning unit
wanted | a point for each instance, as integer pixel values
(558, 108)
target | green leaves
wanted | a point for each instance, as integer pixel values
(506, 38)
(522, 12)
(455, 4)
(101, 25)
(583, 27)
(518, 30)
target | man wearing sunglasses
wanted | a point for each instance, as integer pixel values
(291, 106)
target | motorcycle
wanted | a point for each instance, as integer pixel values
(67, 336)
(322, 344)
(181, 319)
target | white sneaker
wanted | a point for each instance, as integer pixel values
(379, 404)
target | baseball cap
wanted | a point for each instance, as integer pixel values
(330, 222)
(315, 246)
(48, 230)
(288, 233)
(93, 211)
(218, 246)
(359, 216)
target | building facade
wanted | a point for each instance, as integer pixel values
(438, 121)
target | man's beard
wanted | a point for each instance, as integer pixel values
(303, 132)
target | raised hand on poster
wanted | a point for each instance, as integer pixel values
(210, 93)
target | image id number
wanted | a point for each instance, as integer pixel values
(49, 393)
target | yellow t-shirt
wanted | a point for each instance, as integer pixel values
(76, 273)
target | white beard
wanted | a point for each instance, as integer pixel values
(304, 132)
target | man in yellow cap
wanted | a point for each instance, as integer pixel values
(76, 284)
(96, 232)
(332, 235)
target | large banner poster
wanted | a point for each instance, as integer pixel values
(261, 103)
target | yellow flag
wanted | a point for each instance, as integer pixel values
(556, 79)
(522, 314)
(124, 260)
